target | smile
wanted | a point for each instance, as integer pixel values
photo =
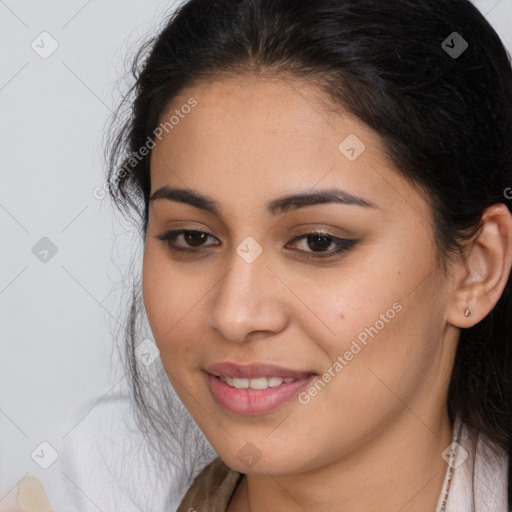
(257, 383)
(258, 395)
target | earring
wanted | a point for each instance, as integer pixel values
(467, 312)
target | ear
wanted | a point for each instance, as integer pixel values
(482, 274)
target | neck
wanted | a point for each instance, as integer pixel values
(400, 469)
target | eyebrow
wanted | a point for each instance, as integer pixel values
(274, 207)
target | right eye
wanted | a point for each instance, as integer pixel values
(193, 238)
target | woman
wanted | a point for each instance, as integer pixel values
(327, 251)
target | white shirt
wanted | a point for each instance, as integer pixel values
(105, 466)
(481, 476)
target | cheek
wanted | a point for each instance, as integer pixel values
(165, 295)
(153, 282)
(174, 299)
(387, 316)
(338, 306)
(386, 344)
(377, 365)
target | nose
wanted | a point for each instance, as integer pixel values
(248, 301)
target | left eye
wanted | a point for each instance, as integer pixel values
(319, 242)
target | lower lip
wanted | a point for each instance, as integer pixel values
(254, 401)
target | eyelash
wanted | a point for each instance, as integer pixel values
(343, 245)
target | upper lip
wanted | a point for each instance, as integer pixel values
(251, 371)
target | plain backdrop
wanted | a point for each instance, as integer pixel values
(63, 247)
(56, 346)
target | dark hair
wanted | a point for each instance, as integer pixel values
(445, 120)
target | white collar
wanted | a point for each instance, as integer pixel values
(479, 474)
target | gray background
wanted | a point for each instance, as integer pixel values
(56, 316)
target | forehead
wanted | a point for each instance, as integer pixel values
(258, 137)
(267, 105)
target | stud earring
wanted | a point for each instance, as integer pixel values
(467, 312)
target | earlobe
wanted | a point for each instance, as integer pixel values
(484, 269)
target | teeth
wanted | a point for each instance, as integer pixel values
(257, 383)
(275, 381)
(240, 383)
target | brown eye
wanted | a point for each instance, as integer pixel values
(191, 239)
(316, 245)
(318, 242)
(195, 238)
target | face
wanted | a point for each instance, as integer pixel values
(342, 297)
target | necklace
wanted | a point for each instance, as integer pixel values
(457, 428)
(443, 498)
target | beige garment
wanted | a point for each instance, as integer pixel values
(212, 489)
(30, 497)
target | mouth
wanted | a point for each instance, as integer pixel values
(254, 389)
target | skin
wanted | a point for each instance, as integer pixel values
(382, 422)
